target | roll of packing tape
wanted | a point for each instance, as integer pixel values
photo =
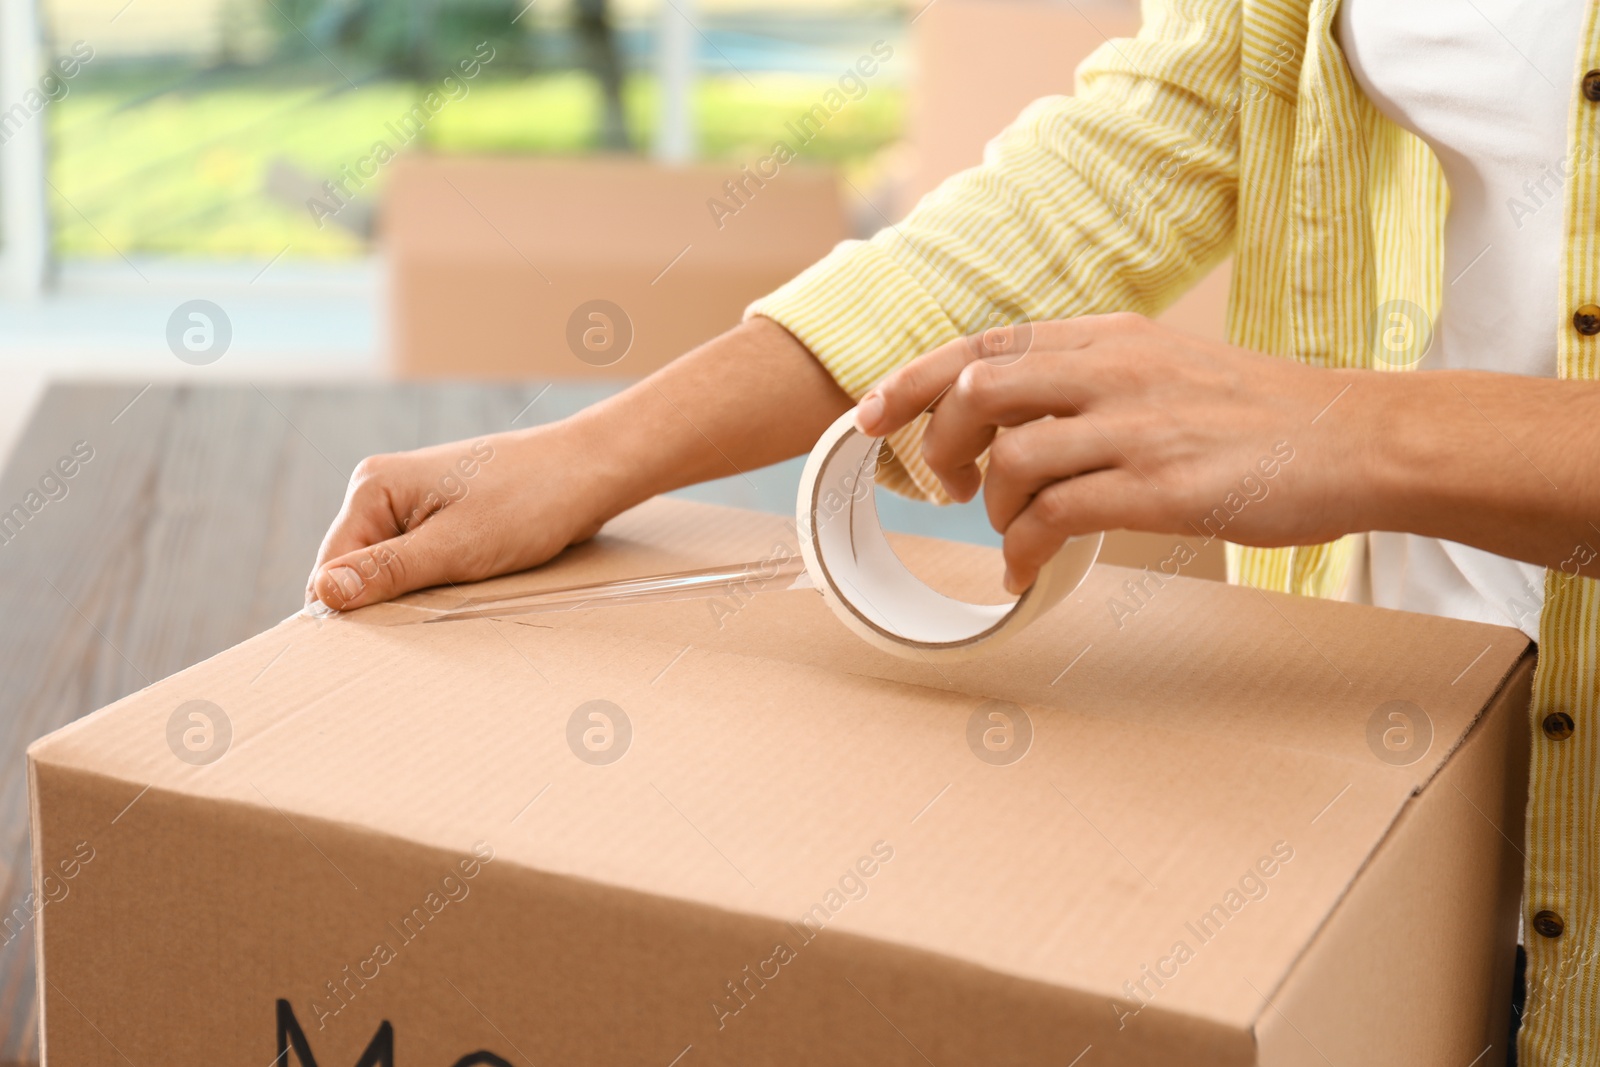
(871, 590)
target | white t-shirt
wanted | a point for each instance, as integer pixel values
(1488, 85)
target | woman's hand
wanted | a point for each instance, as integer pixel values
(1115, 422)
(474, 509)
(457, 512)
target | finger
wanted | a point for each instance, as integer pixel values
(353, 529)
(1025, 460)
(912, 389)
(371, 513)
(985, 397)
(423, 557)
(1100, 500)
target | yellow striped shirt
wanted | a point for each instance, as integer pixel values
(1236, 126)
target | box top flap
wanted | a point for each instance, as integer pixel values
(1182, 785)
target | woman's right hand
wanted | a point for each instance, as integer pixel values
(458, 512)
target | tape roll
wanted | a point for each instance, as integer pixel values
(871, 590)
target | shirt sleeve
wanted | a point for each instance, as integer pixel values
(1116, 199)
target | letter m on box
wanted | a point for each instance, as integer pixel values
(379, 1052)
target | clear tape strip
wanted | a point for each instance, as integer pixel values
(764, 575)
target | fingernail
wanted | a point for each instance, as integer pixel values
(347, 582)
(868, 412)
(1013, 584)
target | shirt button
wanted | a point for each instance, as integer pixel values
(1548, 924)
(1586, 320)
(1591, 86)
(1558, 726)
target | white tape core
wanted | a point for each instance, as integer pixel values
(872, 591)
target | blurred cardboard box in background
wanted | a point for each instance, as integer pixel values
(608, 268)
(1226, 828)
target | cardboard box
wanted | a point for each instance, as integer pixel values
(724, 831)
(593, 268)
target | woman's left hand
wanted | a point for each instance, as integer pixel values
(1116, 422)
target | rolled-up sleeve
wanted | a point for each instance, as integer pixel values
(1116, 199)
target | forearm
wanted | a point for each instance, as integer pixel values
(749, 397)
(1500, 462)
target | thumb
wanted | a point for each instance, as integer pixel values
(414, 560)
